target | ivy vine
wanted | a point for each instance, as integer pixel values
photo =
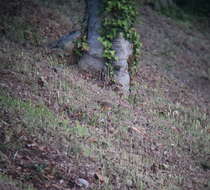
(81, 46)
(119, 17)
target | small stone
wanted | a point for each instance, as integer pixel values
(61, 181)
(129, 182)
(82, 183)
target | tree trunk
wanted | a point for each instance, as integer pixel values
(93, 59)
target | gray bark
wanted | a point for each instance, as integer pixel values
(93, 59)
(123, 50)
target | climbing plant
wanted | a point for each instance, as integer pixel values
(119, 17)
(81, 46)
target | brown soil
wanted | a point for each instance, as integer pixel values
(174, 67)
(176, 52)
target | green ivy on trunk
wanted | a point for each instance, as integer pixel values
(119, 17)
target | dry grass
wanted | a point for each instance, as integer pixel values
(54, 130)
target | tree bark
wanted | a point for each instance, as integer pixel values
(93, 59)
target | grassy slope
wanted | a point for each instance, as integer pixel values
(53, 128)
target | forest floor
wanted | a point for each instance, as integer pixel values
(63, 129)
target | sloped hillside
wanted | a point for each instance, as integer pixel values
(63, 129)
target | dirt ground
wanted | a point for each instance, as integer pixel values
(180, 52)
(54, 129)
